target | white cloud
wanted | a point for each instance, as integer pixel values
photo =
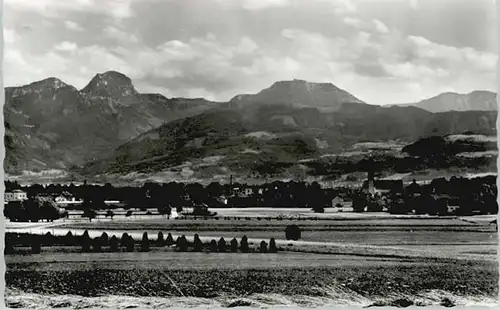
(451, 56)
(116, 8)
(380, 26)
(354, 22)
(66, 46)
(413, 4)
(343, 6)
(246, 46)
(120, 35)
(410, 70)
(359, 24)
(263, 4)
(71, 25)
(9, 35)
(14, 57)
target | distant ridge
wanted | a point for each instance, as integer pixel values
(479, 100)
(108, 126)
(299, 93)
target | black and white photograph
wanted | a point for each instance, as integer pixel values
(250, 154)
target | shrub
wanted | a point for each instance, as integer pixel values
(318, 209)
(292, 232)
(272, 246)
(222, 245)
(244, 244)
(69, 239)
(113, 244)
(104, 239)
(263, 247)
(161, 240)
(182, 244)
(213, 246)
(130, 244)
(86, 242)
(9, 244)
(96, 245)
(198, 245)
(145, 242)
(36, 247)
(48, 239)
(124, 240)
(170, 240)
(234, 245)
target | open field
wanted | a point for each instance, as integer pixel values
(224, 277)
(355, 260)
(177, 260)
(414, 237)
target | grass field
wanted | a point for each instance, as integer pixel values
(176, 260)
(450, 224)
(383, 261)
(201, 275)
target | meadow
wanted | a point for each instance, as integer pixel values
(232, 276)
(381, 260)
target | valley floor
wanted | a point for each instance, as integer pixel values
(356, 261)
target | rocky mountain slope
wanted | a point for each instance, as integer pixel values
(474, 101)
(52, 125)
(274, 139)
(109, 127)
(298, 93)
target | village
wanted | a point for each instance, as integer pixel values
(176, 200)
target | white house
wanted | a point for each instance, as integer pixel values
(60, 199)
(16, 195)
(243, 192)
(337, 200)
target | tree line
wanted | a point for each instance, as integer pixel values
(127, 243)
(472, 195)
(178, 195)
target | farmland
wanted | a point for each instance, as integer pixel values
(361, 260)
(229, 276)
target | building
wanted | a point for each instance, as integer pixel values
(243, 192)
(374, 187)
(60, 199)
(16, 195)
(337, 201)
(341, 202)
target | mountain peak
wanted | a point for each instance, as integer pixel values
(48, 85)
(110, 83)
(478, 100)
(51, 82)
(300, 92)
(114, 75)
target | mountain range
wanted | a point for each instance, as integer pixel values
(479, 100)
(109, 127)
(50, 124)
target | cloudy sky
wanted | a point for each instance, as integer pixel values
(382, 51)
